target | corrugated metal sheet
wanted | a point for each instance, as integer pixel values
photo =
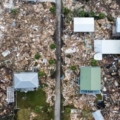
(90, 79)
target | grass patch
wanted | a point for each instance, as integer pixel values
(14, 11)
(73, 68)
(35, 100)
(66, 114)
(41, 74)
(99, 97)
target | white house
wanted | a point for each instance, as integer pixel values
(106, 47)
(83, 24)
(97, 115)
(25, 81)
(118, 25)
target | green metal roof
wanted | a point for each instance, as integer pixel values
(90, 78)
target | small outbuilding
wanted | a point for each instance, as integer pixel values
(83, 24)
(90, 80)
(97, 115)
(26, 81)
(106, 47)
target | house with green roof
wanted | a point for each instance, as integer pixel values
(90, 80)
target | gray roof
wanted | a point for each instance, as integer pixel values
(25, 80)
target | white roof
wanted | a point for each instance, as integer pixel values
(97, 115)
(26, 80)
(83, 24)
(107, 46)
(118, 25)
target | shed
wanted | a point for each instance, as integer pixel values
(97, 115)
(90, 80)
(26, 81)
(83, 24)
(118, 25)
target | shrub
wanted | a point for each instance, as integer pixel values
(80, 13)
(73, 67)
(67, 110)
(14, 11)
(37, 56)
(52, 61)
(41, 74)
(53, 10)
(66, 11)
(52, 46)
(101, 16)
(93, 62)
(68, 56)
(92, 14)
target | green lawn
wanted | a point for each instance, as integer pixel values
(66, 113)
(35, 101)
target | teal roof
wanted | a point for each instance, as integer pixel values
(90, 78)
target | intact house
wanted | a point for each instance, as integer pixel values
(83, 24)
(106, 47)
(90, 80)
(25, 81)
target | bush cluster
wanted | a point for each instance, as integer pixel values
(82, 13)
(93, 62)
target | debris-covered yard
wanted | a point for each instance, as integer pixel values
(27, 44)
(78, 51)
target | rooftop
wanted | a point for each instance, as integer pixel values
(25, 80)
(83, 24)
(90, 79)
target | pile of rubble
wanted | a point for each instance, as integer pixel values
(5, 81)
(78, 51)
(110, 88)
(27, 29)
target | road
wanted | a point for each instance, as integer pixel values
(57, 112)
